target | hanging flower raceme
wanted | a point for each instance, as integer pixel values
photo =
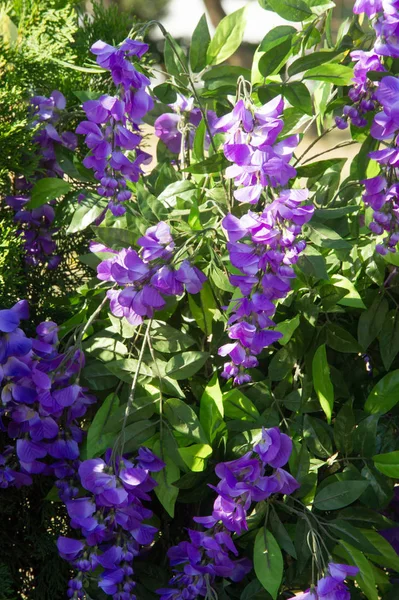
(385, 21)
(332, 586)
(36, 224)
(382, 192)
(110, 514)
(177, 129)
(259, 160)
(362, 92)
(264, 247)
(40, 404)
(146, 277)
(112, 125)
(212, 553)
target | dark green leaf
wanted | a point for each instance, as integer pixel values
(46, 189)
(136, 434)
(384, 395)
(325, 237)
(322, 381)
(168, 339)
(97, 440)
(185, 365)
(87, 212)
(314, 59)
(291, 10)
(389, 339)
(212, 164)
(341, 340)
(345, 531)
(317, 437)
(98, 378)
(339, 494)
(199, 45)
(344, 425)
(115, 238)
(268, 561)
(312, 263)
(365, 435)
(276, 36)
(318, 168)
(365, 578)
(282, 363)
(175, 59)
(228, 36)
(298, 96)
(281, 534)
(184, 420)
(273, 60)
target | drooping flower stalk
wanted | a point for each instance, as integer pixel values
(262, 245)
(212, 553)
(148, 276)
(36, 224)
(112, 126)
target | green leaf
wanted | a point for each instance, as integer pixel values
(186, 364)
(352, 297)
(341, 340)
(212, 164)
(384, 395)
(312, 263)
(165, 338)
(212, 408)
(344, 425)
(316, 434)
(352, 535)
(371, 321)
(97, 440)
(332, 73)
(238, 406)
(199, 45)
(325, 237)
(87, 212)
(339, 494)
(291, 10)
(195, 456)
(46, 189)
(98, 378)
(184, 420)
(287, 328)
(318, 168)
(116, 238)
(268, 561)
(124, 369)
(322, 381)
(298, 96)
(314, 59)
(389, 339)
(175, 59)
(387, 556)
(365, 578)
(388, 463)
(282, 363)
(228, 37)
(166, 492)
(281, 534)
(137, 433)
(365, 435)
(204, 313)
(276, 36)
(273, 60)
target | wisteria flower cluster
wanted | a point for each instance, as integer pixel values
(147, 276)
(259, 161)
(110, 516)
(332, 586)
(381, 192)
(264, 247)
(362, 92)
(178, 127)
(112, 125)
(35, 223)
(40, 404)
(212, 553)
